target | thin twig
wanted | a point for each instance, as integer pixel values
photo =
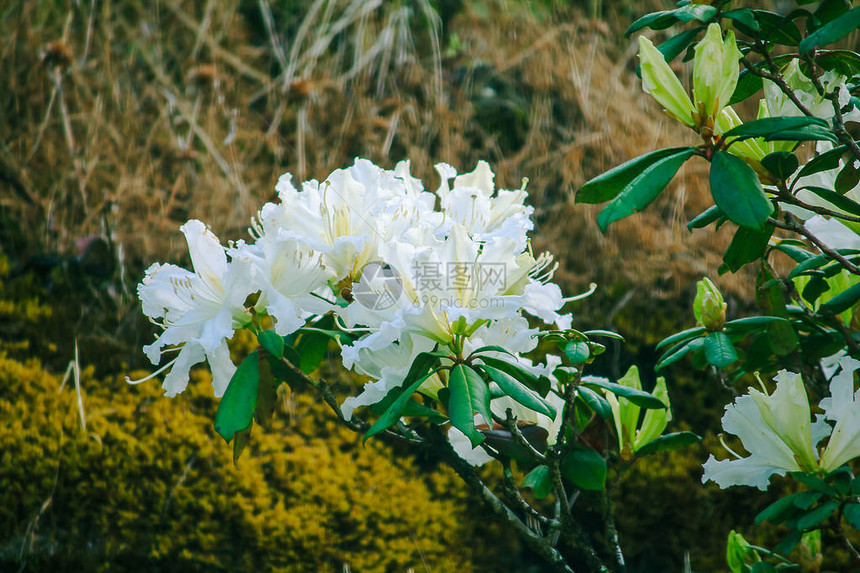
(793, 225)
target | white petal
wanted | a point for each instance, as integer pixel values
(222, 368)
(207, 255)
(747, 471)
(176, 381)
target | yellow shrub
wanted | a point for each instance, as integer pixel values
(149, 484)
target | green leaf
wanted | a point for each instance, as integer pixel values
(272, 342)
(577, 351)
(779, 511)
(467, 397)
(808, 133)
(818, 261)
(241, 439)
(519, 391)
(748, 84)
(312, 348)
(843, 62)
(817, 515)
(848, 178)
(678, 43)
(806, 499)
(668, 443)
(540, 481)
(655, 20)
(788, 544)
(762, 567)
(539, 385)
(595, 401)
(738, 192)
(585, 468)
(845, 203)
(797, 253)
(700, 12)
(852, 514)
(644, 188)
(719, 350)
(814, 483)
(767, 126)
(743, 16)
(705, 218)
(676, 353)
(236, 409)
(832, 31)
(638, 397)
(679, 336)
(843, 301)
(417, 375)
(824, 162)
(607, 185)
(752, 323)
(267, 392)
(781, 163)
(777, 29)
(747, 246)
(491, 348)
(606, 333)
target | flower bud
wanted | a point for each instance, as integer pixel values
(739, 552)
(662, 84)
(715, 70)
(709, 307)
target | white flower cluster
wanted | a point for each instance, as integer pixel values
(371, 246)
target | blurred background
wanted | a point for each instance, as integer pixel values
(120, 120)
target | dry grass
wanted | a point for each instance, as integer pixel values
(124, 120)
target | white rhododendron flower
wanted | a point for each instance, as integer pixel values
(778, 433)
(198, 310)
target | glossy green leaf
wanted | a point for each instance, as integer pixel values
(817, 515)
(719, 350)
(608, 185)
(738, 192)
(418, 373)
(467, 397)
(808, 133)
(655, 20)
(644, 188)
(598, 404)
(240, 440)
(577, 351)
(638, 397)
(770, 125)
(779, 511)
(585, 468)
(606, 333)
(680, 336)
(743, 16)
(519, 391)
(777, 28)
(832, 31)
(267, 391)
(852, 514)
(747, 246)
(848, 178)
(539, 385)
(823, 162)
(540, 481)
(669, 442)
(748, 84)
(236, 408)
(705, 218)
(700, 12)
(676, 353)
(272, 342)
(782, 164)
(678, 43)
(843, 301)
